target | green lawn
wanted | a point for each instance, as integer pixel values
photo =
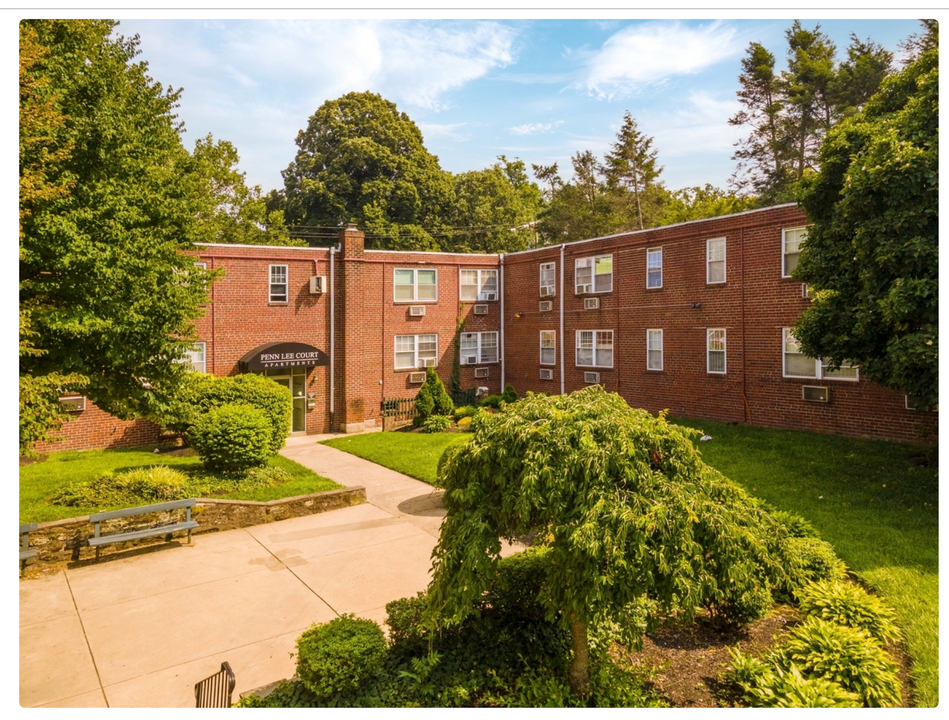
(878, 509)
(41, 480)
(414, 454)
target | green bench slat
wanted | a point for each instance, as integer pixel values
(27, 554)
(141, 510)
(137, 534)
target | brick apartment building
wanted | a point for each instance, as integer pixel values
(694, 318)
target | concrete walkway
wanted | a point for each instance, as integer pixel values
(140, 631)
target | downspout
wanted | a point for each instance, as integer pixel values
(333, 251)
(744, 345)
(501, 292)
(562, 338)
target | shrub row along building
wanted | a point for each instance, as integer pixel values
(695, 318)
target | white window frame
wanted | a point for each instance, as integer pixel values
(480, 294)
(784, 249)
(552, 267)
(203, 265)
(415, 285)
(596, 347)
(551, 338)
(820, 372)
(416, 352)
(591, 263)
(651, 252)
(649, 349)
(709, 261)
(480, 348)
(709, 351)
(200, 347)
(276, 297)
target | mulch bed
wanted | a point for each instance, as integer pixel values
(687, 660)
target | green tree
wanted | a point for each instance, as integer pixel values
(860, 75)
(432, 398)
(696, 203)
(580, 208)
(361, 160)
(232, 212)
(872, 252)
(494, 209)
(101, 268)
(631, 172)
(621, 499)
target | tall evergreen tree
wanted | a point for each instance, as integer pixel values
(631, 169)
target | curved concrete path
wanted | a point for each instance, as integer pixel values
(140, 631)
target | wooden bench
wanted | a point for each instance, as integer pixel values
(25, 552)
(98, 540)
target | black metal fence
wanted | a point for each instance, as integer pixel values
(464, 397)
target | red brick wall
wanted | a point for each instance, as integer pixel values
(753, 305)
(95, 429)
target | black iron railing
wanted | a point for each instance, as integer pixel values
(215, 691)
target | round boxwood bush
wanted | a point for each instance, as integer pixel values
(335, 658)
(232, 438)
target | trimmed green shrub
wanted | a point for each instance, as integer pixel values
(517, 584)
(335, 658)
(509, 395)
(465, 424)
(744, 606)
(232, 438)
(845, 655)
(436, 423)
(404, 620)
(202, 393)
(813, 560)
(491, 401)
(432, 398)
(849, 604)
(465, 411)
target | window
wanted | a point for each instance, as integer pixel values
(202, 265)
(479, 285)
(278, 284)
(715, 346)
(715, 260)
(196, 357)
(594, 274)
(416, 285)
(548, 280)
(595, 348)
(797, 364)
(791, 242)
(548, 347)
(477, 348)
(415, 351)
(654, 268)
(654, 349)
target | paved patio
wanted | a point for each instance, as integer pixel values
(140, 631)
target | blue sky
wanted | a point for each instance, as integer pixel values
(536, 89)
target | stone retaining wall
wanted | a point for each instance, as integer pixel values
(65, 542)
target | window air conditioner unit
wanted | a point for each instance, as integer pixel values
(547, 291)
(317, 284)
(591, 378)
(481, 372)
(73, 404)
(417, 377)
(469, 359)
(910, 402)
(585, 288)
(806, 292)
(428, 362)
(591, 303)
(488, 296)
(416, 310)
(546, 306)
(480, 309)
(812, 393)
(546, 374)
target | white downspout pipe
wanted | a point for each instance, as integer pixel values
(563, 340)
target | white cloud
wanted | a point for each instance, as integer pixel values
(650, 53)
(534, 128)
(443, 130)
(698, 125)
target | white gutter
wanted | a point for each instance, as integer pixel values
(501, 348)
(562, 338)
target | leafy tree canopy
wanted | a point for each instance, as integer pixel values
(872, 252)
(232, 212)
(623, 502)
(361, 160)
(110, 205)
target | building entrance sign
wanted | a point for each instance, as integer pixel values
(277, 355)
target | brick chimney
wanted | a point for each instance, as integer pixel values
(353, 241)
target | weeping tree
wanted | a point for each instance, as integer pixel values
(623, 502)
